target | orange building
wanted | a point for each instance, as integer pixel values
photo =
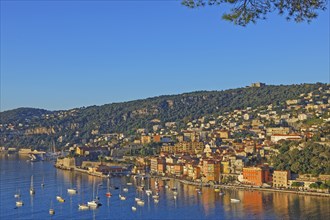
(156, 138)
(256, 175)
(211, 170)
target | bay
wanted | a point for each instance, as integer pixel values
(15, 174)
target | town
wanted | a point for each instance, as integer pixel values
(244, 147)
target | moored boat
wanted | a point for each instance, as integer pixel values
(19, 203)
(235, 200)
(51, 209)
(72, 191)
(32, 190)
(83, 206)
(140, 202)
(133, 208)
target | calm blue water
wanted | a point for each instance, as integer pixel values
(15, 174)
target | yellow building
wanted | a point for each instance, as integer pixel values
(225, 167)
(281, 178)
(145, 139)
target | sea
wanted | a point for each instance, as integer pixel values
(16, 172)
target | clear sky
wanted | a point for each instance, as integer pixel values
(60, 55)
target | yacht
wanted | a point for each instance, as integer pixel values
(72, 191)
(108, 193)
(94, 203)
(18, 194)
(133, 208)
(60, 199)
(83, 207)
(125, 189)
(19, 203)
(235, 200)
(122, 197)
(51, 209)
(32, 190)
(140, 202)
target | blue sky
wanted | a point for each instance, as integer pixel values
(61, 55)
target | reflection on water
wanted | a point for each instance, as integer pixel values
(15, 174)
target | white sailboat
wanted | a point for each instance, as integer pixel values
(43, 182)
(95, 202)
(60, 198)
(83, 206)
(19, 202)
(51, 209)
(133, 208)
(17, 194)
(235, 200)
(32, 190)
(72, 191)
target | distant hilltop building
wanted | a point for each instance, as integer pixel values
(258, 84)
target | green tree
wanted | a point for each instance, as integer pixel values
(243, 12)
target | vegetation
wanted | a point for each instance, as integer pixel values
(312, 158)
(35, 127)
(244, 12)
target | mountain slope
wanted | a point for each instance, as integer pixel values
(44, 126)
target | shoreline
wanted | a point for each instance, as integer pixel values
(246, 187)
(188, 182)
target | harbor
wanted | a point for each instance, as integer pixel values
(66, 192)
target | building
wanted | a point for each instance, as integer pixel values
(277, 137)
(157, 165)
(281, 178)
(280, 130)
(145, 139)
(256, 175)
(211, 171)
(257, 84)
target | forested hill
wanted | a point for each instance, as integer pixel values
(128, 116)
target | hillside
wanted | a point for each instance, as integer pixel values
(34, 127)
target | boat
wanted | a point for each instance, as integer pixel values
(43, 182)
(156, 196)
(140, 202)
(156, 200)
(17, 194)
(129, 184)
(149, 192)
(176, 193)
(60, 199)
(51, 209)
(166, 186)
(235, 200)
(174, 197)
(32, 190)
(95, 202)
(122, 197)
(125, 189)
(19, 203)
(137, 199)
(83, 206)
(133, 208)
(72, 191)
(216, 190)
(108, 193)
